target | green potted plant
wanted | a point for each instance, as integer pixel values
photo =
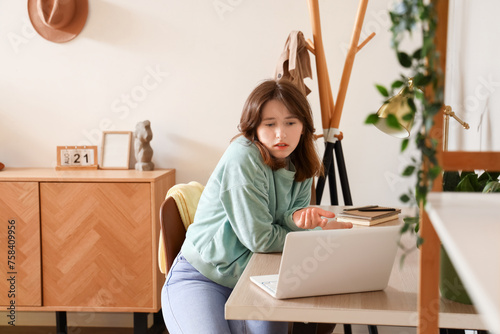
(450, 284)
(425, 90)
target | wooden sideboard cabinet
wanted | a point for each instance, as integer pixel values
(85, 240)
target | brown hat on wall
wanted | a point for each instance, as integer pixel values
(58, 20)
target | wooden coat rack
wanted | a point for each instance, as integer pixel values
(331, 112)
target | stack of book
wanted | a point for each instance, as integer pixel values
(368, 215)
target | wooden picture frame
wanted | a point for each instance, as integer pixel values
(76, 157)
(115, 149)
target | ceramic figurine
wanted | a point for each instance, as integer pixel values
(143, 151)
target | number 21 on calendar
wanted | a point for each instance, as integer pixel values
(76, 157)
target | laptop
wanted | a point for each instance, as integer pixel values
(327, 262)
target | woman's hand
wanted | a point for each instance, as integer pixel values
(333, 224)
(309, 218)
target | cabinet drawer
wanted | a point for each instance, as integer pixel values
(19, 210)
(96, 244)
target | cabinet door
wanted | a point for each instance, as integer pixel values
(20, 244)
(97, 245)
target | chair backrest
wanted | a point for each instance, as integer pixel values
(173, 230)
(176, 214)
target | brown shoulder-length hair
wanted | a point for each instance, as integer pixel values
(305, 157)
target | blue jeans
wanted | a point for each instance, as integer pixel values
(193, 304)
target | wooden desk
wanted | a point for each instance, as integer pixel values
(395, 306)
(468, 225)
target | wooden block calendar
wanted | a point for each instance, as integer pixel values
(76, 157)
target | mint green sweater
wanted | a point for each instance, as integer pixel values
(245, 208)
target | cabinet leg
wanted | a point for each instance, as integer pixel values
(158, 323)
(372, 329)
(305, 328)
(140, 323)
(451, 331)
(61, 323)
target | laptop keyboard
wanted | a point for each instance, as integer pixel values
(271, 285)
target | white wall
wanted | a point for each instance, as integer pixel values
(473, 75)
(206, 57)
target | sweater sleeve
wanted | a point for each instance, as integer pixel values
(251, 220)
(303, 200)
(244, 194)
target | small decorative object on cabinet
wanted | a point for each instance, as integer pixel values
(115, 149)
(85, 241)
(76, 157)
(143, 151)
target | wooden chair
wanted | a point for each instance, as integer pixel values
(172, 229)
(176, 214)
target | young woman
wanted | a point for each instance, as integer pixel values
(258, 192)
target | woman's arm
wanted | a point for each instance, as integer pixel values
(247, 210)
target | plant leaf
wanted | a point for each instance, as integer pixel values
(408, 171)
(450, 180)
(411, 220)
(404, 59)
(405, 228)
(404, 198)
(469, 183)
(417, 54)
(419, 94)
(494, 175)
(382, 90)
(371, 119)
(404, 144)
(397, 84)
(421, 80)
(413, 107)
(492, 187)
(408, 116)
(434, 172)
(392, 121)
